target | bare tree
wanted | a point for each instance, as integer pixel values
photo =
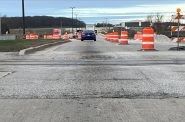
(159, 17)
(149, 18)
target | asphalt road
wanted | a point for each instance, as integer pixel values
(93, 82)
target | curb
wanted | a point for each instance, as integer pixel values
(41, 47)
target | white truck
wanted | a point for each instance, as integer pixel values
(90, 27)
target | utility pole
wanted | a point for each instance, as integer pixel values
(76, 22)
(103, 25)
(23, 17)
(61, 25)
(106, 23)
(72, 17)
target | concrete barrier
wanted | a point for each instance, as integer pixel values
(7, 37)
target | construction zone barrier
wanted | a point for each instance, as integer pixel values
(56, 36)
(52, 36)
(148, 39)
(115, 37)
(124, 38)
(32, 36)
(109, 37)
(180, 40)
(66, 37)
(79, 36)
(180, 29)
(176, 28)
(138, 36)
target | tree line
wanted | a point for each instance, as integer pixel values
(104, 25)
(39, 22)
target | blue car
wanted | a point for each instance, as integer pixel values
(88, 35)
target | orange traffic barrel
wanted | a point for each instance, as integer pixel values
(66, 36)
(138, 36)
(148, 39)
(124, 37)
(109, 37)
(79, 36)
(115, 37)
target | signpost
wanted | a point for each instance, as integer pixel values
(178, 33)
(178, 28)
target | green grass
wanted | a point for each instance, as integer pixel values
(17, 45)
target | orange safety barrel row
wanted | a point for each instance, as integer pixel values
(108, 36)
(113, 37)
(32, 36)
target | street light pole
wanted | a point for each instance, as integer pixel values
(23, 17)
(72, 17)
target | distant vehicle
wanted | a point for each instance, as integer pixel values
(90, 27)
(88, 35)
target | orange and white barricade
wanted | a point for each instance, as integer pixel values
(180, 40)
(111, 37)
(56, 36)
(50, 36)
(108, 37)
(148, 39)
(32, 36)
(115, 37)
(138, 36)
(124, 38)
(66, 37)
(79, 36)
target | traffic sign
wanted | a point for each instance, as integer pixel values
(178, 16)
(175, 28)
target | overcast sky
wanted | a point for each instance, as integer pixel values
(93, 11)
